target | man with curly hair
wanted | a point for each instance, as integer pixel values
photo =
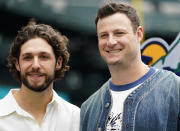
(38, 57)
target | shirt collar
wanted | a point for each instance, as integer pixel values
(9, 105)
(55, 98)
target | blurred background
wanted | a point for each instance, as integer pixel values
(75, 19)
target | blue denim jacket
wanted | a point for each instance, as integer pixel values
(154, 106)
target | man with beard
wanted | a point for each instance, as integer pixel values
(38, 57)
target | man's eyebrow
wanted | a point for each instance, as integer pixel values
(24, 54)
(29, 53)
(44, 53)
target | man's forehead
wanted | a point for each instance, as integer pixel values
(37, 45)
(35, 53)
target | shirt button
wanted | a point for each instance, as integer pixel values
(107, 105)
(127, 125)
(130, 102)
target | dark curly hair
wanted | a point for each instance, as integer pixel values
(54, 38)
(117, 7)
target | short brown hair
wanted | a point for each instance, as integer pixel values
(114, 7)
(54, 38)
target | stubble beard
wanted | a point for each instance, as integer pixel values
(48, 80)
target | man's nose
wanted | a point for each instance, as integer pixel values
(35, 63)
(111, 41)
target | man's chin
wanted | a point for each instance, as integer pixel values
(113, 63)
(37, 88)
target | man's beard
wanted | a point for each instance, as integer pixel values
(48, 80)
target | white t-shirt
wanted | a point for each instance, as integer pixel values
(119, 94)
(60, 116)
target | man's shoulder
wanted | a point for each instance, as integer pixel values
(164, 77)
(6, 104)
(168, 74)
(6, 98)
(67, 106)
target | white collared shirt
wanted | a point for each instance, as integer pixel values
(60, 116)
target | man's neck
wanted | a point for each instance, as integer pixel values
(34, 103)
(127, 74)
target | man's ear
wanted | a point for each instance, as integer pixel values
(140, 33)
(16, 62)
(59, 63)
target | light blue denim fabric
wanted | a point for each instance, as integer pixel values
(154, 106)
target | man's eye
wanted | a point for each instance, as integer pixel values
(44, 57)
(27, 58)
(119, 33)
(103, 35)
